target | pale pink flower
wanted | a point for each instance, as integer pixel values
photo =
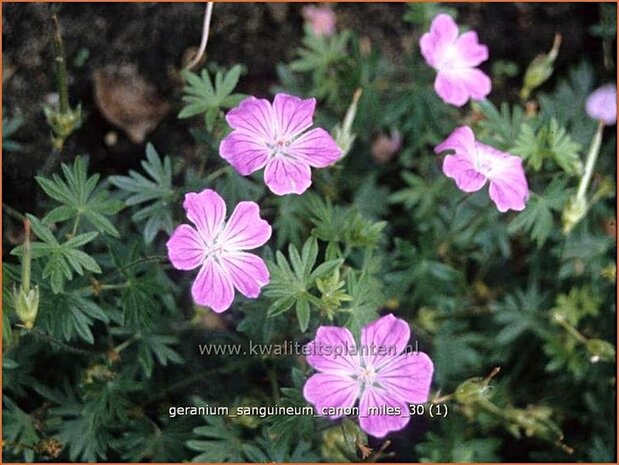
(378, 372)
(217, 247)
(602, 104)
(320, 18)
(276, 137)
(473, 163)
(455, 57)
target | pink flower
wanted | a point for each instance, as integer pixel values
(474, 163)
(455, 57)
(378, 373)
(602, 104)
(217, 246)
(276, 137)
(320, 18)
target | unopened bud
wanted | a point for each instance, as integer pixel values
(540, 69)
(601, 351)
(573, 212)
(343, 133)
(26, 305)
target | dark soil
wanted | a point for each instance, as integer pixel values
(154, 38)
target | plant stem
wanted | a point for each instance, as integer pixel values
(206, 25)
(62, 83)
(274, 385)
(594, 151)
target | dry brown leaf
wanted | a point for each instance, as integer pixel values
(128, 101)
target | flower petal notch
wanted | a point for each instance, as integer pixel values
(218, 248)
(455, 57)
(276, 137)
(380, 373)
(474, 163)
(601, 104)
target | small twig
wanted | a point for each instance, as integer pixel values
(205, 31)
(13, 213)
(47, 338)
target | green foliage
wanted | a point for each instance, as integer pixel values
(157, 192)
(210, 96)
(550, 142)
(513, 312)
(336, 224)
(63, 259)
(538, 219)
(321, 56)
(292, 280)
(81, 198)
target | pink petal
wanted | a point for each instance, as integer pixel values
(326, 390)
(333, 350)
(508, 183)
(375, 423)
(247, 272)
(602, 104)
(285, 175)
(293, 115)
(384, 339)
(407, 377)
(244, 151)
(245, 229)
(435, 44)
(468, 51)
(460, 168)
(316, 148)
(461, 140)
(456, 86)
(213, 287)
(255, 117)
(507, 196)
(207, 211)
(186, 249)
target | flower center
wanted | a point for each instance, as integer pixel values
(483, 164)
(278, 146)
(448, 58)
(367, 375)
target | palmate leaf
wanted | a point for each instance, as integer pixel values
(81, 198)
(340, 224)
(567, 103)
(550, 142)
(204, 96)
(68, 316)
(292, 280)
(62, 259)
(217, 441)
(18, 429)
(537, 218)
(146, 441)
(500, 128)
(154, 195)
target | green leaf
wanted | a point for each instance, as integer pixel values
(201, 96)
(537, 218)
(550, 142)
(154, 195)
(81, 197)
(62, 259)
(303, 313)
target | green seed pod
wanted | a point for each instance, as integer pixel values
(339, 443)
(471, 391)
